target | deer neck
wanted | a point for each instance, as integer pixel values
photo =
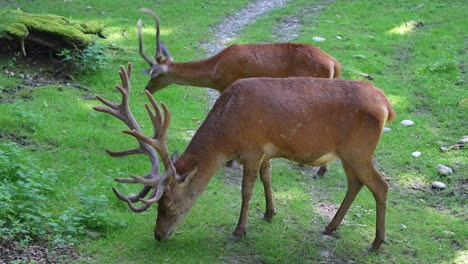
(206, 162)
(195, 73)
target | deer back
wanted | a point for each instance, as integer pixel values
(297, 118)
(278, 60)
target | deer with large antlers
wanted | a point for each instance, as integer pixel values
(307, 120)
(279, 60)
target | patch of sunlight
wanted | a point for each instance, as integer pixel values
(402, 29)
(288, 195)
(117, 34)
(412, 178)
(461, 257)
(397, 100)
(89, 104)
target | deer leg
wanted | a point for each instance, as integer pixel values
(248, 183)
(230, 163)
(265, 176)
(354, 186)
(323, 170)
(379, 188)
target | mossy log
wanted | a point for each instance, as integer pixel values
(51, 31)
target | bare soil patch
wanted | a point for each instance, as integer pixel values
(38, 252)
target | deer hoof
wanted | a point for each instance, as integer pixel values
(327, 232)
(233, 237)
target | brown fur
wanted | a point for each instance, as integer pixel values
(307, 120)
(244, 61)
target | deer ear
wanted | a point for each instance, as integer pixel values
(185, 178)
(154, 71)
(175, 156)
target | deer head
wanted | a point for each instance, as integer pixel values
(169, 189)
(162, 58)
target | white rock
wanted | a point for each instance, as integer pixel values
(444, 170)
(318, 39)
(463, 140)
(407, 122)
(339, 37)
(438, 185)
(416, 154)
(386, 129)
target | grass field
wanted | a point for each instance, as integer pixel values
(55, 179)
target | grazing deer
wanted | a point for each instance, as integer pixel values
(306, 120)
(236, 62)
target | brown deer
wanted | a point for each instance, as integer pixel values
(236, 62)
(307, 120)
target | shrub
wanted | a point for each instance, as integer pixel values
(26, 210)
(91, 58)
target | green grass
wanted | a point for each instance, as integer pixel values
(421, 71)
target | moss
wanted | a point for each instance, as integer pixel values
(90, 27)
(19, 25)
(17, 30)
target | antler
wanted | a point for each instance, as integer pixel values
(122, 112)
(158, 141)
(161, 49)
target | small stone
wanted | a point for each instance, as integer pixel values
(444, 170)
(403, 225)
(318, 39)
(7, 71)
(12, 74)
(359, 56)
(339, 37)
(386, 129)
(463, 140)
(407, 122)
(438, 185)
(416, 154)
(449, 233)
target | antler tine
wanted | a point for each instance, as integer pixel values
(135, 198)
(158, 55)
(122, 112)
(140, 45)
(159, 192)
(130, 203)
(160, 130)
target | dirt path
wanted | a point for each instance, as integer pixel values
(287, 30)
(231, 25)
